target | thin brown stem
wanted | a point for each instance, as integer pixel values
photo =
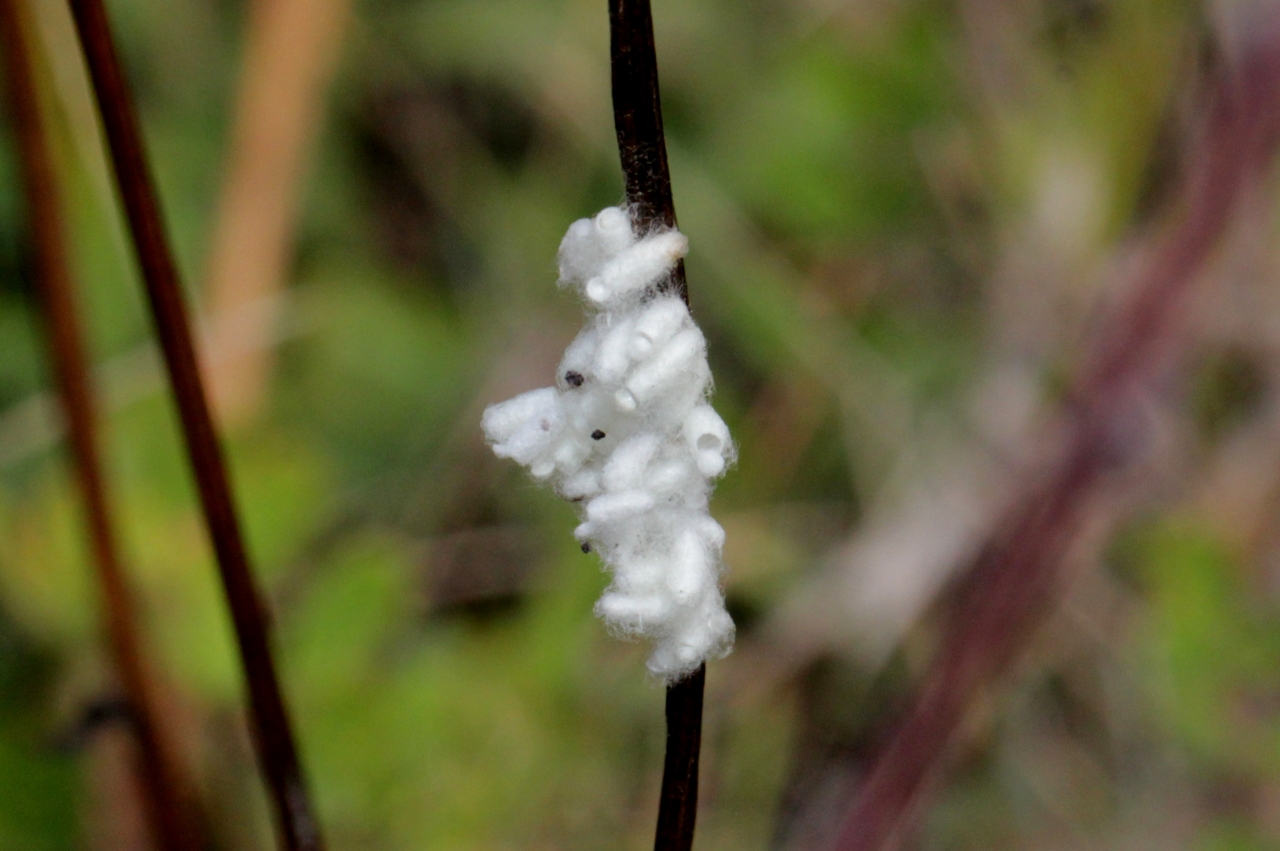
(1015, 577)
(637, 117)
(273, 736)
(163, 782)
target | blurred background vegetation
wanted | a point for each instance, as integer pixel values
(905, 217)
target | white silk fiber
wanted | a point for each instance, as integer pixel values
(628, 435)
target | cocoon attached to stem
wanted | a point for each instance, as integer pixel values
(627, 433)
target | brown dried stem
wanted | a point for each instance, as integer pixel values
(291, 47)
(273, 736)
(637, 117)
(1014, 578)
(162, 780)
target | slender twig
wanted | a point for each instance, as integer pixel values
(637, 117)
(163, 782)
(277, 753)
(1014, 578)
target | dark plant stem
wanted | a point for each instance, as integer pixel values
(637, 117)
(273, 737)
(678, 810)
(1014, 579)
(163, 784)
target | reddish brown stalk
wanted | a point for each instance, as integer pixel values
(1013, 581)
(637, 117)
(161, 778)
(273, 736)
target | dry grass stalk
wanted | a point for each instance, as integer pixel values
(291, 48)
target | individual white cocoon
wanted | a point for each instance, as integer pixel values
(629, 462)
(591, 243)
(659, 322)
(501, 421)
(709, 439)
(637, 267)
(704, 430)
(523, 427)
(668, 369)
(690, 562)
(627, 433)
(612, 507)
(612, 356)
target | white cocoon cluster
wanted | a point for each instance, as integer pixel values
(627, 433)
